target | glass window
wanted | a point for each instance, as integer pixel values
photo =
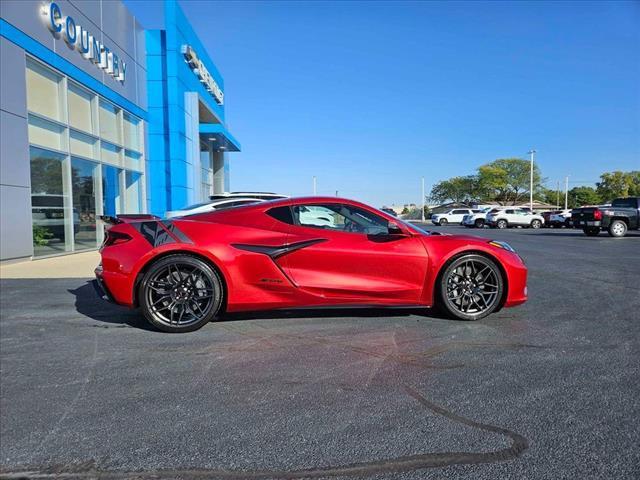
(83, 181)
(131, 132)
(80, 115)
(133, 194)
(111, 190)
(44, 91)
(83, 145)
(47, 134)
(109, 122)
(48, 203)
(340, 217)
(282, 213)
(110, 153)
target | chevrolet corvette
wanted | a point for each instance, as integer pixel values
(299, 253)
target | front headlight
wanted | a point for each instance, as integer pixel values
(503, 245)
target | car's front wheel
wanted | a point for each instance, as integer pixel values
(502, 224)
(180, 293)
(479, 223)
(471, 287)
(443, 222)
(536, 224)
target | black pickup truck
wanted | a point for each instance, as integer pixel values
(623, 214)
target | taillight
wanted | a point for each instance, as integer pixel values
(597, 214)
(115, 238)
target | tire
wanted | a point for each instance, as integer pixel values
(617, 229)
(502, 224)
(180, 293)
(536, 224)
(443, 222)
(591, 231)
(479, 223)
(470, 288)
(567, 223)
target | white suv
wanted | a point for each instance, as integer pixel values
(514, 217)
(452, 216)
(478, 219)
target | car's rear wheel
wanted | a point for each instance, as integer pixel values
(591, 231)
(567, 223)
(502, 224)
(443, 222)
(618, 228)
(471, 287)
(180, 293)
(536, 223)
(479, 223)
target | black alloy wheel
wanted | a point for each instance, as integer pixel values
(471, 287)
(180, 293)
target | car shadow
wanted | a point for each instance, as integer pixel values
(88, 302)
(335, 312)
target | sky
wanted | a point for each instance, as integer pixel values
(371, 96)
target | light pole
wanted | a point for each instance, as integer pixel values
(315, 190)
(532, 153)
(422, 199)
(566, 192)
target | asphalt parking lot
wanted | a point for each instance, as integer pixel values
(546, 390)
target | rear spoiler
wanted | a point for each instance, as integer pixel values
(127, 218)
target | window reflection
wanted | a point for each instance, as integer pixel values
(48, 198)
(83, 180)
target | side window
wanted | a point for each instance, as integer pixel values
(460, 212)
(509, 212)
(340, 217)
(282, 214)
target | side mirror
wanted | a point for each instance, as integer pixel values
(394, 229)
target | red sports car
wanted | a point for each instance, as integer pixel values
(300, 252)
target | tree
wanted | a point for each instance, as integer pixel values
(456, 189)
(579, 196)
(618, 184)
(549, 196)
(507, 180)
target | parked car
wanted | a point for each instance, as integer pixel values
(390, 211)
(622, 215)
(454, 215)
(212, 205)
(185, 272)
(547, 216)
(514, 217)
(561, 218)
(476, 219)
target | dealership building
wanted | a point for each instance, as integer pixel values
(100, 117)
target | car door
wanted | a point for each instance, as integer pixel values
(350, 256)
(457, 215)
(521, 217)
